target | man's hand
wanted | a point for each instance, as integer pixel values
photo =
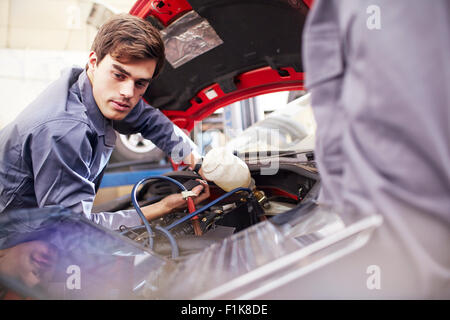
(176, 201)
(191, 160)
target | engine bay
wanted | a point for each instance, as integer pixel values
(223, 214)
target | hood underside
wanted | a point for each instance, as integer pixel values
(228, 50)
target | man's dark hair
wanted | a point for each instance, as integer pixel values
(126, 37)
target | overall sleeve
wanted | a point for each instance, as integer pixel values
(156, 127)
(61, 153)
(325, 68)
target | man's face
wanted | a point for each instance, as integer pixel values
(117, 87)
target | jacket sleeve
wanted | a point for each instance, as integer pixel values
(325, 69)
(60, 155)
(156, 127)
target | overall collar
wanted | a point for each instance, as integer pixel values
(102, 125)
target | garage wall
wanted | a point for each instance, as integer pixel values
(50, 24)
(25, 73)
(37, 40)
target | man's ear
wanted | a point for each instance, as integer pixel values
(92, 62)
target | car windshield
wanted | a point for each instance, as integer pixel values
(289, 128)
(52, 253)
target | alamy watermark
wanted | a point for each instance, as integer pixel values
(373, 282)
(373, 21)
(73, 281)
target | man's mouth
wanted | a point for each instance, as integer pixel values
(120, 106)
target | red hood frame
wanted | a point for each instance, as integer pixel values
(248, 84)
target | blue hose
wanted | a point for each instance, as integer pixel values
(165, 231)
(173, 243)
(193, 214)
(130, 229)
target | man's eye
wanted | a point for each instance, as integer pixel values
(118, 76)
(141, 84)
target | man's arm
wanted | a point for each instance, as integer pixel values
(325, 70)
(155, 126)
(61, 155)
(61, 158)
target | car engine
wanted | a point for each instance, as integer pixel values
(271, 196)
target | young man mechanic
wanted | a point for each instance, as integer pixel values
(55, 151)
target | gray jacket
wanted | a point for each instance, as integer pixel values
(379, 76)
(54, 152)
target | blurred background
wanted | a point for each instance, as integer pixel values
(40, 38)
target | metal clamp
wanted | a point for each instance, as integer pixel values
(187, 194)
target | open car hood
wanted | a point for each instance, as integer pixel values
(222, 51)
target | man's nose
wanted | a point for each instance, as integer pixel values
(127, 89)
